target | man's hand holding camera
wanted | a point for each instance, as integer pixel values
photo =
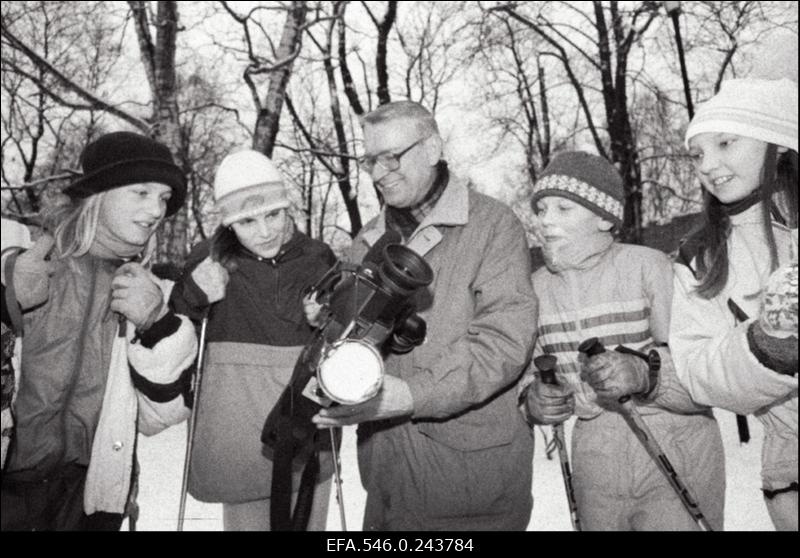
(393, 400)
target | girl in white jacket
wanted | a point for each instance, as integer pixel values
(734, 316)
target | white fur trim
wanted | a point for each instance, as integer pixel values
(165, 362)
(111, 462)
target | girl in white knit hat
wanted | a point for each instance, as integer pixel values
(734, 315)
(249, 279)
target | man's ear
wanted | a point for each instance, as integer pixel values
(782, 149)
(433, 149)
(604, 225)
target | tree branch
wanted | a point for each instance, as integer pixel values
(93, 100)
(146, 46)
(384, 27)
(344, 69)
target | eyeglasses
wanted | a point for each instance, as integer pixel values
(388, 160)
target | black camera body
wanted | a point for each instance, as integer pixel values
(373, 303)
(368, 308)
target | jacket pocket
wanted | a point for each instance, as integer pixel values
(492, 424)
(241, 384)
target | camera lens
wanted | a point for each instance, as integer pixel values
(403, 270)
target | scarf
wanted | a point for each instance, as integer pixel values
(108, 247)
(576, 255)
(405, 220)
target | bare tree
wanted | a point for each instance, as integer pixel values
(158, 58)
(433, 37)
(334, 151)
(39, 136)
(616, 32)
(277, 66)
(342, 172)
(384, 27)
(61, 79)
(514, 67)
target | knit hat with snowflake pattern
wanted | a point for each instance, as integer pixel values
(586, 179)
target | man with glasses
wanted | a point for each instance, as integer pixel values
(442, 446)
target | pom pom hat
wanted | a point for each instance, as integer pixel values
(586, 179)
(123, 158)
(248, 184)
(761, 109)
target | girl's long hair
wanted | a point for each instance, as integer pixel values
(73, 224)
(778, 196)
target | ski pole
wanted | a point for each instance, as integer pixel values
(741, 420)
(192, 420)
(546, 365)
(337, 479)
(593, 346)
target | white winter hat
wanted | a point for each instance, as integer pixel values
(762, 109)
(248, 184)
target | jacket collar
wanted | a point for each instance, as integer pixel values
(451, 210)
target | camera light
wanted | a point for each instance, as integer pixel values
(350, 372)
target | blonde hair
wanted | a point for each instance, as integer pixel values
(74, 226)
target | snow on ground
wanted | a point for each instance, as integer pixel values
(162, 456)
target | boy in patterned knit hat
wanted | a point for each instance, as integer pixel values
(593, 286)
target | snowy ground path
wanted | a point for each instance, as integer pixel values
(161, 460)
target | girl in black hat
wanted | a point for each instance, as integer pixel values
(102, 356)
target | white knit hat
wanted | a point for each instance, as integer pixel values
(248, 184)
(761, 109)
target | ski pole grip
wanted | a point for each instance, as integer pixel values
(546, 364)
(591, 347)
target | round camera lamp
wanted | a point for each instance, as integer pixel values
(350, 372)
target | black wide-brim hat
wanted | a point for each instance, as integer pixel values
(122, 158)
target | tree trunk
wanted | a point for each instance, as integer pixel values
(623, 148)
(380, 58)
(269, 114)
(343, 172)
(159, 62)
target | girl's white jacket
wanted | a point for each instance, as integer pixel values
(711, 352)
